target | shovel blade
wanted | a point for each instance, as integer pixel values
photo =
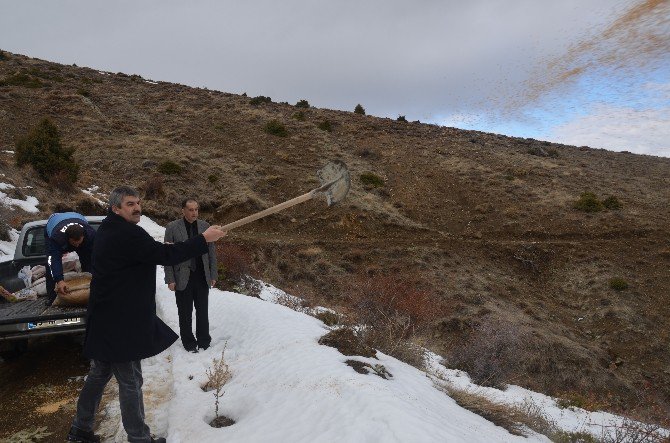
(336, 174)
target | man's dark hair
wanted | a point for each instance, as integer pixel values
(116, 196)
(186, 200)
(74, 232)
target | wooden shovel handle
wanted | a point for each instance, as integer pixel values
(269, 211)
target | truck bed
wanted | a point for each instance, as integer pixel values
(26, 319)
(36, 310)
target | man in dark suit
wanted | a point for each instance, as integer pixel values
(122, 327)
(191, 279)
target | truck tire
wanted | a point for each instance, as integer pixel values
(13, 350)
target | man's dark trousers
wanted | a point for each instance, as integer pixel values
(196, 293)
(129, 377)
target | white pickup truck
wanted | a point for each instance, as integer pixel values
(23, 320)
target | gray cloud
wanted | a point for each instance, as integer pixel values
(423, 59)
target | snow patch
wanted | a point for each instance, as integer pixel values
(7, 248)
(28, 205)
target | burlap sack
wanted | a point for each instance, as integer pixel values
(78, 290)
(73, 298)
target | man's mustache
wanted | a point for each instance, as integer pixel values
(137, 212)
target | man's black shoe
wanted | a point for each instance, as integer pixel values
(192, 350)
(80, 436)
(204, 347)
(157, 440)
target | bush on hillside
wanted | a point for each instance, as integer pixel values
(274, 127)
(259, 100)
(61, 180)
(47, 74)
(302, 104)
(393, 309)
(89, 206)
(541, 152)
(618, 284)
(4, 223)
(359, 109)
(22, 79)
(3, 56)
(168, 167)
(612, 203)
(300, 116)
(370, 179)
(325, 126)
(401, 118)
(234, 263)
(153, 188)
(42, 149)
(490, 355)
(212, 178)
(588, 202)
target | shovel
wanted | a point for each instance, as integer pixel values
(335, 182)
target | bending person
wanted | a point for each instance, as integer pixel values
(66, 232)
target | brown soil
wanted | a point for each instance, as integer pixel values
(484, 220)
(40, 388)
(221, 421)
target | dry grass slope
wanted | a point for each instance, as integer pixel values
(486, 222)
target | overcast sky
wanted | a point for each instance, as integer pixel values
(570, 71)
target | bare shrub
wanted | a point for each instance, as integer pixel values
(383, 297)
(491, 354)
(62, 180)
(329, 318)
(505, 416)
(515, 418)
(292, 302)
(393, 309)
(153, 188)
(4, 222)
(217, 377)
(234, 262)
(249, 286)
(630, 431)
(89, 206)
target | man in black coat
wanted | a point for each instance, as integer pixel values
(122, 326)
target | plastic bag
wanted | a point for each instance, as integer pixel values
(24, 294)
(26, 275)
(40, 285)
(71, 262)
(38, 272)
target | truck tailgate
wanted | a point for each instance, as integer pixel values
(32, 318)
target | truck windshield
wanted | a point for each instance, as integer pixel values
(35, 242)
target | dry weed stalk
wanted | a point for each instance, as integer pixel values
(217, 376)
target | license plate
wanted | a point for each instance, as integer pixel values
(56, 323)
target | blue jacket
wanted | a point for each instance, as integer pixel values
(57, 243)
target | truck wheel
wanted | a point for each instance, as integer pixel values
(14, 350)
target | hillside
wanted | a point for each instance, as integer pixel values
(483, 223)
